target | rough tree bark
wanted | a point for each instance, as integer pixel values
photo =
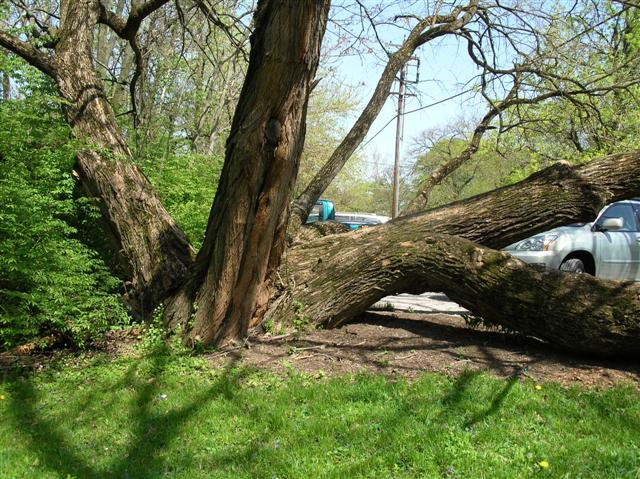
(154, 247)
(576, 312)
(427, 29)
(245, 235)
(339, 276)
(555, 196)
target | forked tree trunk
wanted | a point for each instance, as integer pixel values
(337, 277)
(334, 279)
(155, 248)
(246, 230)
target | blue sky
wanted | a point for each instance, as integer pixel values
(444, 71)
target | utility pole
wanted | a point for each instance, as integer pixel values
(402, 94)
(395, 202)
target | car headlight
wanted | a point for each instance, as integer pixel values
(537, 243)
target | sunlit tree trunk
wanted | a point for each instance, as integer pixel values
(245, 235)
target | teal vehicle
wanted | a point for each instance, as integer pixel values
(324, 210)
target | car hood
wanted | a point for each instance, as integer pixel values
(561, 230)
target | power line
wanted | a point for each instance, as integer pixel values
(464, 92)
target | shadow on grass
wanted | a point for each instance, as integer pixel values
(423, 417)
(151, 430)
(496, 402)
(447, 416)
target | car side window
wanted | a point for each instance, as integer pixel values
(624, 211)
(636, 210)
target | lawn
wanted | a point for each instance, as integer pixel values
(162, 414)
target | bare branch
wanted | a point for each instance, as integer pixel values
(214, 17)
(128, 28)
(511, 100)
(427, 29)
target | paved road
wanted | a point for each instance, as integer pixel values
(424, 303)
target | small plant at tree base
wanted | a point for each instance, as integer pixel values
(268, 326)
(473, 321)
(153, 335)
(388, 307)
(301, 322)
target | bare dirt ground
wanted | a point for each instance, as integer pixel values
(407, 344)
(396, 344)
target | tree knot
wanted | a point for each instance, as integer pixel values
(272, 132)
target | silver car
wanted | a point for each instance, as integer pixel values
(608, 248)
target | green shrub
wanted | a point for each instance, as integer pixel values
(49, 280)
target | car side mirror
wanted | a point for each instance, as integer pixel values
(612, 224)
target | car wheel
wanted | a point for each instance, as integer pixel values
(573, 265)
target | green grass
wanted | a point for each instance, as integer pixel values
(164, 415)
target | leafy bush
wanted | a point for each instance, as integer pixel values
(186, 184)
(50, 282)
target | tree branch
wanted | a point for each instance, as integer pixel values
(127, 29)
(420, 202)
(138, 14)
(443, 171)
(426, 30)
(29, 53)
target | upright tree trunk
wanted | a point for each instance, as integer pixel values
(153, 245)
(245, 235)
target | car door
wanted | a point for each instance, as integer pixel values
(618, 251)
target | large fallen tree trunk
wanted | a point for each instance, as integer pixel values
(333, 279)
(555, 196)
